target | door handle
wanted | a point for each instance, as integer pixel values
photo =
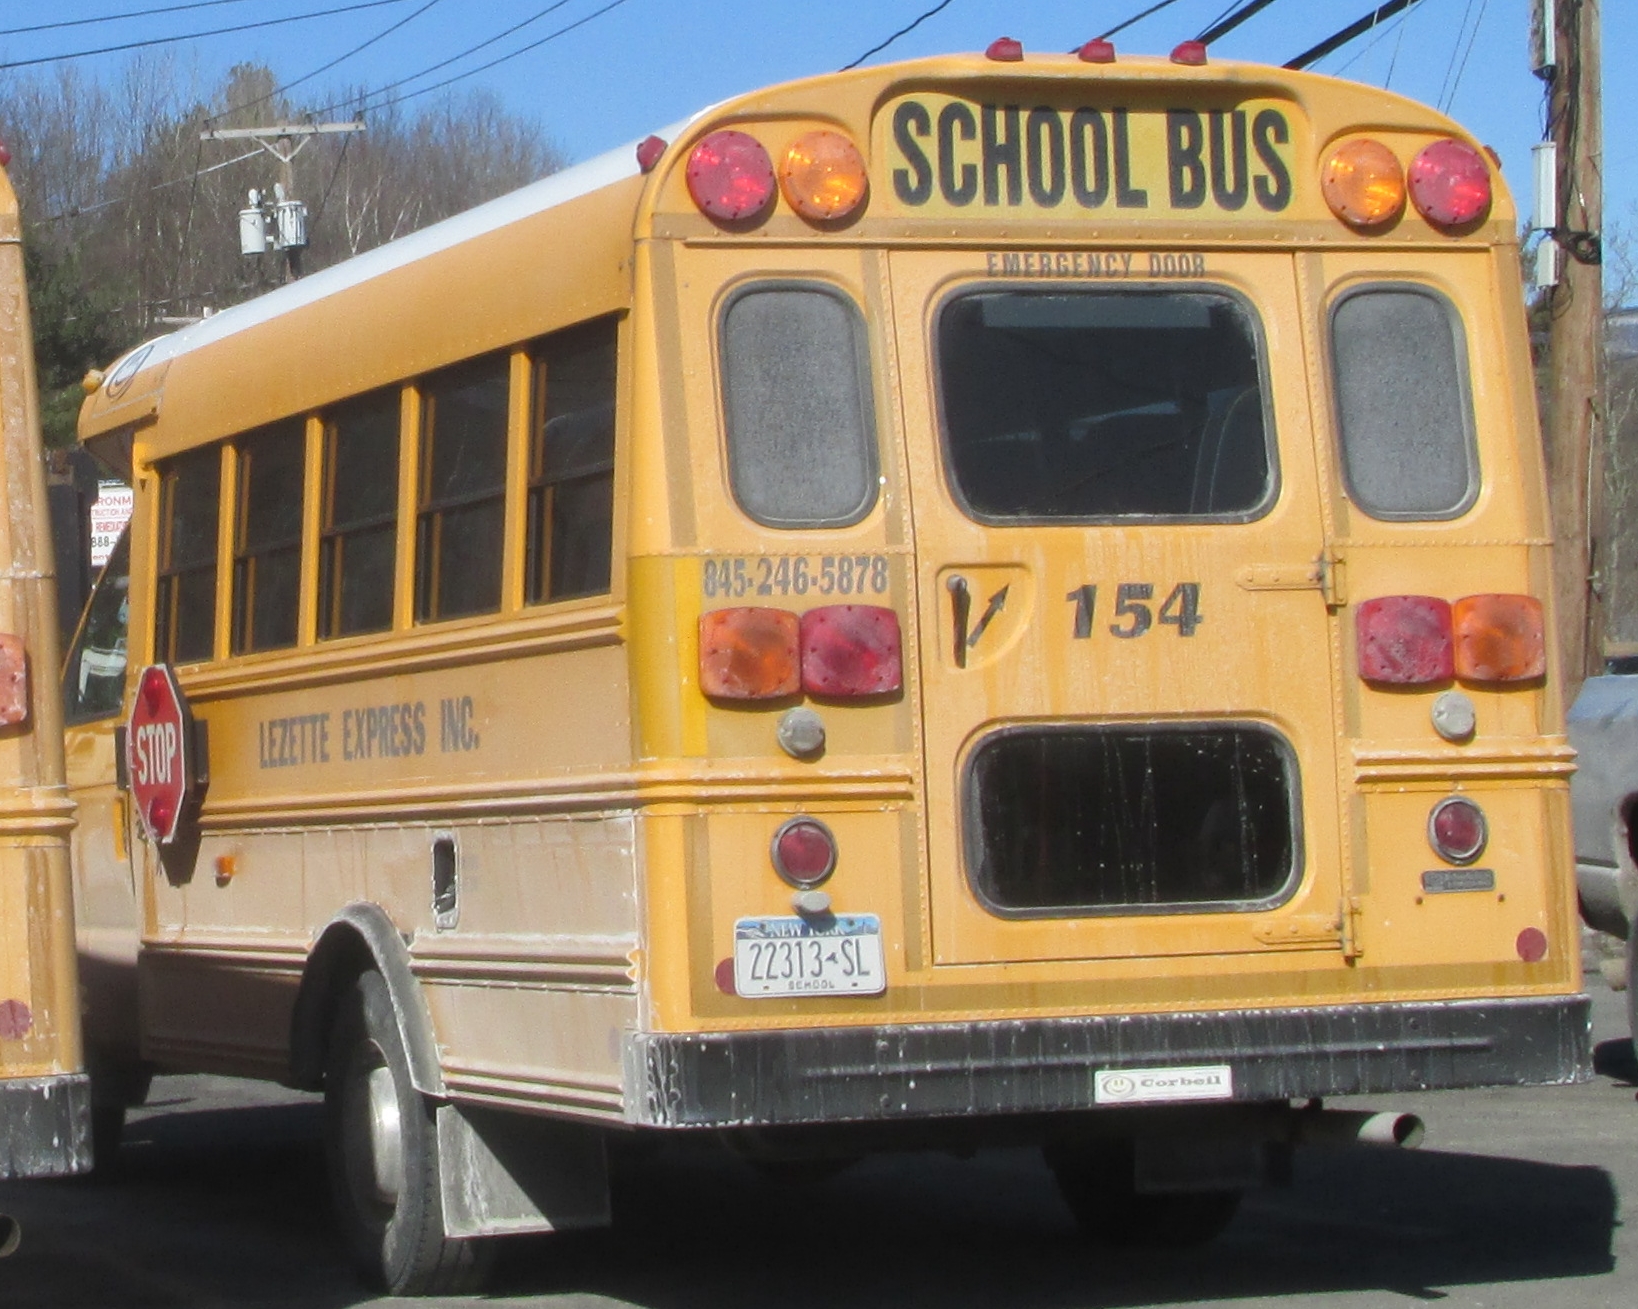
(961, 608)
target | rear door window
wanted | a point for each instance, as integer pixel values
(1104, 405)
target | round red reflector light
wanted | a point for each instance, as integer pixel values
(1532, 945)
(730, 176)
(1450, 184)
(1457, 830)
(804, 852)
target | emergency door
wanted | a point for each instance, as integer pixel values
(1124, 636)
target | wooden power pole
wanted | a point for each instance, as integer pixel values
(1575, 383)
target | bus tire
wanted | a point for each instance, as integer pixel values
(381, 1148)
(1098, 1185)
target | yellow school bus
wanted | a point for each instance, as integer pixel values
(44, 1094)
(1000, 597)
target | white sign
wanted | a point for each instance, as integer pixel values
(1152, 1085)
(109, 514)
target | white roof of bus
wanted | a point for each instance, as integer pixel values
(555, 189)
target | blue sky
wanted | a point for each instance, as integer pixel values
(645, 63)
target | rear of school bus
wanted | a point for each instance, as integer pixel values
(44, 1103)
(1089, 614)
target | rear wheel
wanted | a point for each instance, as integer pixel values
(1098, 1183)
(382, 1150)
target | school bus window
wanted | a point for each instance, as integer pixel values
(267, 542)
(1067, 821)
(571, 464)
(1104, 404)
(1403, 403)
(801, 420)
(94, 680)
(459, 530)
(185, 612)
(359, 528)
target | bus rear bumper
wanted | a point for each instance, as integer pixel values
(875, 1074)
(45, 1126)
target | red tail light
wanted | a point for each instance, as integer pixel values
(1499, 638)
(851, 650)
(1405, 640)
(730, 176)
(1450, 184)
(804, 852)
(1457, 830)
(749, 654)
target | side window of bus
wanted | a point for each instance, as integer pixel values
(798, 406)
(185, 601)
(1090, 405)
(94, 676)
(267, 537)
(571, 464)
(1404, 403)
(459, 528)
(359, 516)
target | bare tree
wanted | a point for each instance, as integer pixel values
(131, 218)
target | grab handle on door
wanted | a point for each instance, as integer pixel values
(961, 605)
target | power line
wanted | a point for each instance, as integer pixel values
(80, 211)
(307, 77)
(1226, 22)
(1357, 28)
(455, 58)
(195, 36)
(1135, 18)
(114, 18)
(1455, 50)
(521, 50)
(1472, 40)
(903, 31)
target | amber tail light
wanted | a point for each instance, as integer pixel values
(1499, 638)
(750, 654)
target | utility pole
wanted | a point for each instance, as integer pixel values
(1575, 435)
(287, 216)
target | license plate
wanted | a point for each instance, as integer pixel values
(841, 955)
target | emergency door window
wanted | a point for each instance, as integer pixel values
(185, 597)
(1065, 821)
(267, 539)
(359, 516)
(1099, 405)
(1403, 403)
(797, 400)
(460, 526)
(571, 464)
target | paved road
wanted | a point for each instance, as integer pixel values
(1516, 1202)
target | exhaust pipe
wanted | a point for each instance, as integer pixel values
(1317, 1126)
(11, 1235)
